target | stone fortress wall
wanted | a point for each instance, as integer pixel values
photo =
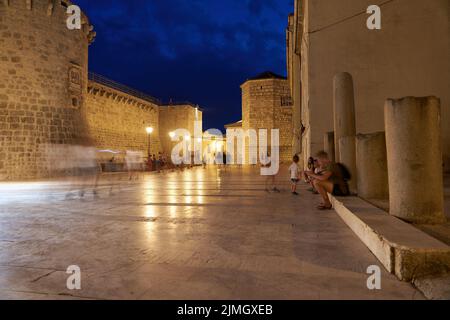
(118, 121)
(46, 98)
(43, 68)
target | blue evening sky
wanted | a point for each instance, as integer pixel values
(197, 50)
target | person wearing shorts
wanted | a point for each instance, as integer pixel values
(330, 180)
(295, 173)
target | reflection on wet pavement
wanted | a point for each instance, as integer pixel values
(197, 234)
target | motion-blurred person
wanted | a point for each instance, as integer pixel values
(85, 170)
(270, 182)
(90, 171)
(134, 163)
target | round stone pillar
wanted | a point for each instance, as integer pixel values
(344, 110)
(414, 153)
(371, 166)
(328, 145)
(347, 156)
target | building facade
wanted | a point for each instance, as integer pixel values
(267, 104)
(293, 47)
(178, 116)
(409, 56)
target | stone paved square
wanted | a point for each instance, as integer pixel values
(197, 234)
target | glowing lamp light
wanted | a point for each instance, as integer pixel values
(149, 130)
(172, 134)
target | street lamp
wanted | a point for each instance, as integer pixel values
(149, 133)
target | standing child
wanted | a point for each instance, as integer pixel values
(295, 174)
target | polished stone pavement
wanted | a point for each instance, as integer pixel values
(197, 234)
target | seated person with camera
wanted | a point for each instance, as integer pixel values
(332, 179)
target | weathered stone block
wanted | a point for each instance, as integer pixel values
(371, 163)
(414, 153)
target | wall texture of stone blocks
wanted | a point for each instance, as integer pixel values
(118, 121)
(266, 104)
(175, 117)
(43, 68)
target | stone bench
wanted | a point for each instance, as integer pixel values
(404, 250)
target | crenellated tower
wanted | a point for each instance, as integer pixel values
(44, 77)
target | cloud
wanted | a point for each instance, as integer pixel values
(197, 50)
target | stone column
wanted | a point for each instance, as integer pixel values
(414, 153)
(371, 166)
(344, 110)
(328, 145)
(347, 156)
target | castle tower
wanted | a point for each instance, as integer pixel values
(43, 81)
(267, 104)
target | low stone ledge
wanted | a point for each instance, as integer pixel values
(404, 250)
